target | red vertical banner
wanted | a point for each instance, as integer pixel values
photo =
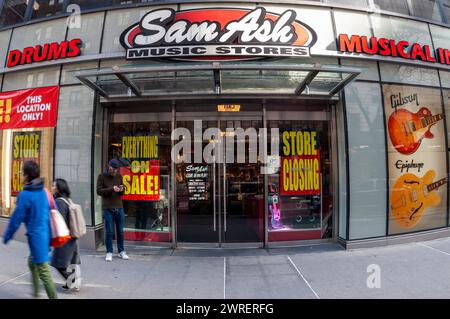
(26, 146)
(29, 108)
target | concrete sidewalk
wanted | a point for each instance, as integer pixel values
(417, 270)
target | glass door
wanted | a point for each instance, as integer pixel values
(219, 201)
(196, 189)
(242, 184)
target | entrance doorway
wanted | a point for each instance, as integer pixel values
(221, 200)
(231, 200)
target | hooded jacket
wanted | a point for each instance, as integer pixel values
(33, 209)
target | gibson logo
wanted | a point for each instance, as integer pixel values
(399, 100)
(217, 32)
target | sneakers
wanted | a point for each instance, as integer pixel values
(123, 255)
(108, 257)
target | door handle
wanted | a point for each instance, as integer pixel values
(224, 197)
(214, 193)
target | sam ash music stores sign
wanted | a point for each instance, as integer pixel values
(165, 33)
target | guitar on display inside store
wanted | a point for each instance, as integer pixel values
(407, 129)
(411, 195)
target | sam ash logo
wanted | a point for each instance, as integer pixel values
(217, 34)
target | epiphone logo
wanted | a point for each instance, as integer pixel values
(217, 32)
(408, 165)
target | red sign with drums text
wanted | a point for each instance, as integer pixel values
(29, 108)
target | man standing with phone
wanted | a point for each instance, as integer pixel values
(110, 188)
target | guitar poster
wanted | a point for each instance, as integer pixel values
(417, 162)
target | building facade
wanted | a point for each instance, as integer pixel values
(354, 97)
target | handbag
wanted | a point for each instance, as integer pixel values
(60, 231)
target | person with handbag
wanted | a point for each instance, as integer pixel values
(33, 209)
(67, 255)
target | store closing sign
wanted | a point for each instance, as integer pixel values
(29, 108)
(26, 146)
(300, 163)
(141, 179)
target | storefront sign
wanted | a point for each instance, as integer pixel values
(300, 163)
(217, 33)
(392, 48)
(141, 179)
(416, 158)
(46, 52)
(26, 146)
(29, 108)
(197, 177)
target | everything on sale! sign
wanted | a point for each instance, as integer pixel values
(141, 178)
(30, 108)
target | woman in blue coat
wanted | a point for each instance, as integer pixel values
(33, 209)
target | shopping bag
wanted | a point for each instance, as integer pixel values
(60, 231)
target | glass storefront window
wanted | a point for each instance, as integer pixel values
(445, 78)
(4, 38)
(116, 22)
(46, 8)
(350, 3)
(342, 169)
(144, 149)
(99, 136)
(13, 12)
(90, 32)
(317, 19)
(401, 29)
(88, 4)
(398, 73)
(74, 142)
(399, 6)
(41, 33)
(441, 36)
(369, 69)
(300, 193)
(446, 7)
(348, 22)
(13, 155)
(367, 160)
(32, 78)
(427, 9)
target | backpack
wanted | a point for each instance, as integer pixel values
(77, 224)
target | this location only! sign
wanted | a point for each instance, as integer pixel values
(29, 108)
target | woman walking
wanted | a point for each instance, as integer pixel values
(67, 255)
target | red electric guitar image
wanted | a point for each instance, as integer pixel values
(407, 129)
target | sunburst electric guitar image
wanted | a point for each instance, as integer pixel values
(407, 129)
(411, 195)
